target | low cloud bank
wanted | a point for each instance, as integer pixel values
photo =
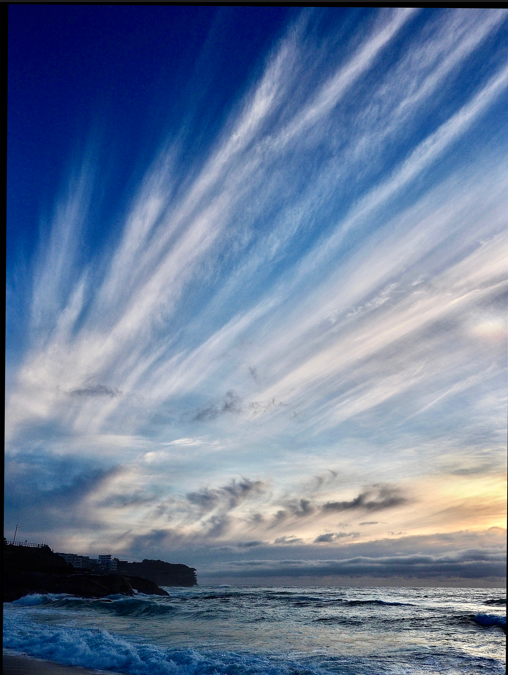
(467, 565)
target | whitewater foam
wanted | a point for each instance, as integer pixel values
(100, 650)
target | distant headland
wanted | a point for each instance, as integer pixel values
(158, 571)
(35, 568)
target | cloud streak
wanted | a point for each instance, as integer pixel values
(386, 498)
(318, 286)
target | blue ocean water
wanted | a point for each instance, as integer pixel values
(278, 631)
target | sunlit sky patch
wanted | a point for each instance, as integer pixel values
(257, 270)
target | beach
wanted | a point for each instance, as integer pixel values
(27, 665)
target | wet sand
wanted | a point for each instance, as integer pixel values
(26, 665)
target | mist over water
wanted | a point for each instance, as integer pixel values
(216, 630)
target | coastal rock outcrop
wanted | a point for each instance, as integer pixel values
(160, 572)
(144, 585)
(39, 570)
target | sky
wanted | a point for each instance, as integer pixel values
(257, 272)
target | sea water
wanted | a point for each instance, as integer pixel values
(279, 631)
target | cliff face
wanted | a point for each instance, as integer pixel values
(39, 570)
(161, 573)
(21, 559)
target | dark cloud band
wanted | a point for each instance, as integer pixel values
(467, 565)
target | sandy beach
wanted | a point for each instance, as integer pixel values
(26, 665)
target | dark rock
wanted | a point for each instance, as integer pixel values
(39, 570)
(145, 586)
(15, 586)
(160, 572)
(27, 559)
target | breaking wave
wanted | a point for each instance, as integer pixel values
(139, 606)
(101, 650)
(491, 620)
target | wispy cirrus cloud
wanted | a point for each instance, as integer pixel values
(226, 497)
(327, 271)
(153, 229)
(95, 390)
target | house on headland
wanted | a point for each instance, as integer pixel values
(105, 563)
(157, 571)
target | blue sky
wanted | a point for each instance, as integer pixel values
(256, 289)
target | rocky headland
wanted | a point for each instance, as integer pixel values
(160, 572)
(28, 570)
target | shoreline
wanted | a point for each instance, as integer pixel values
(22, 664)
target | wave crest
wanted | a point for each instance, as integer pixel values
(491, 620)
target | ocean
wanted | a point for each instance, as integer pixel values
(211, 630)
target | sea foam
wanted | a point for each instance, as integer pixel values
(101, 650)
